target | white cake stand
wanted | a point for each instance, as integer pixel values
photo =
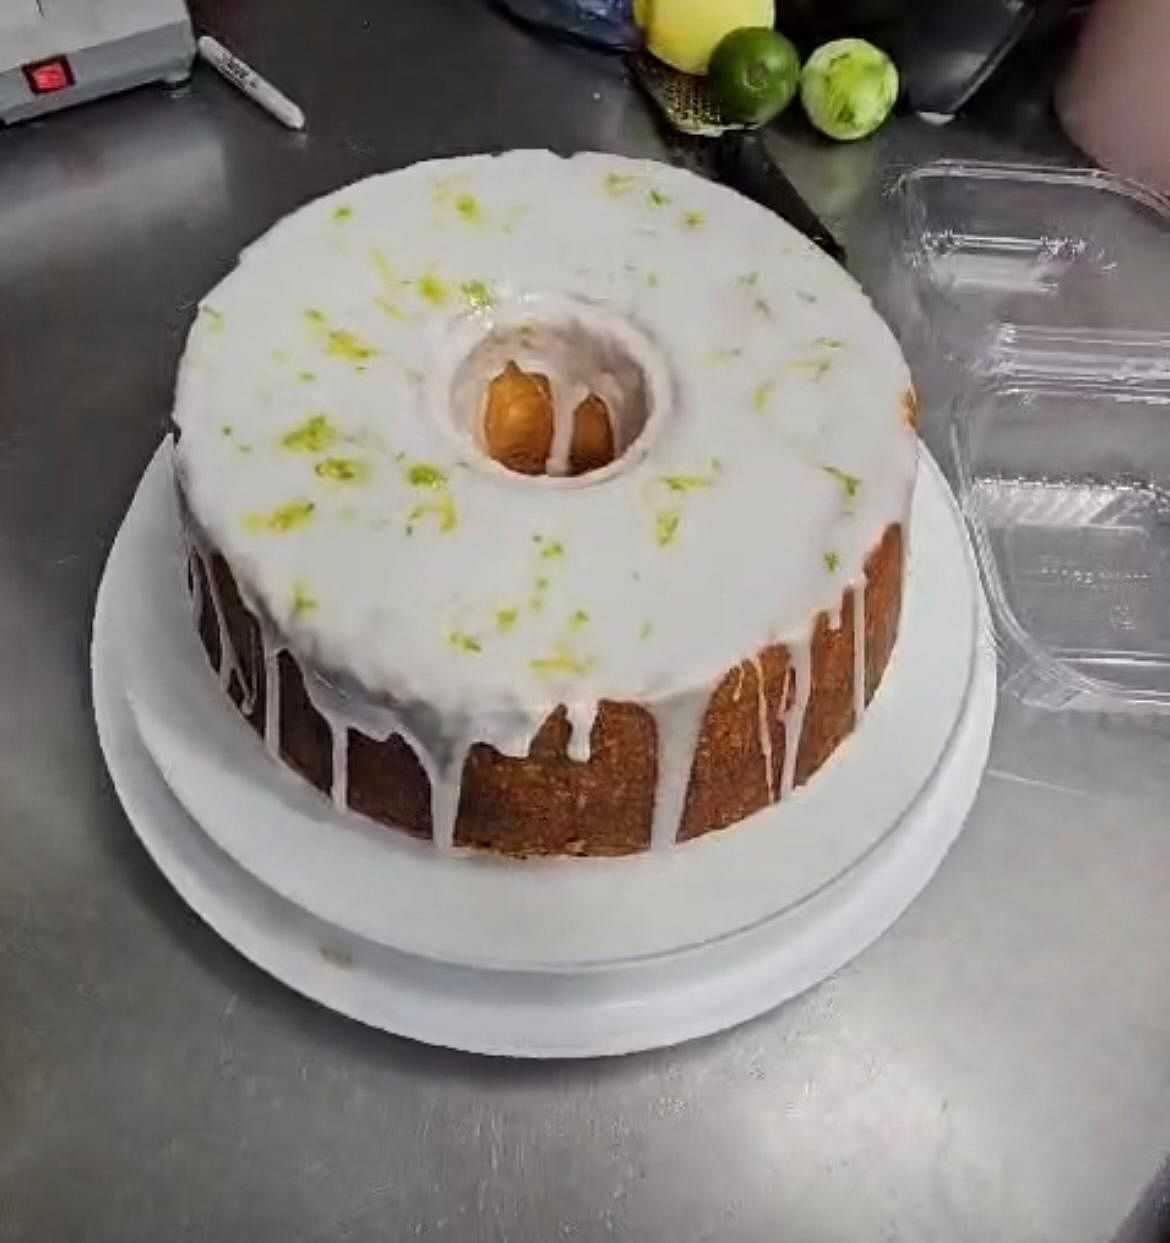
(549, 957)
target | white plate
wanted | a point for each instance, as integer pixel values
(686, 989)
(538, 914)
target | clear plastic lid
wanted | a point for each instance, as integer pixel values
(1048, 295)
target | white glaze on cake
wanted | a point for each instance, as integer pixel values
(318, 395)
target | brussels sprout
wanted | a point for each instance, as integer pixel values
(848, 88)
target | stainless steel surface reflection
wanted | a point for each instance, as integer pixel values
(996, 1067)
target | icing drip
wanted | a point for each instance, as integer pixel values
(765, 731)
(229, 661)
(271, 649)
(800, 656)
(678, 724)
(858, 650)
(446, 786)
(196, 585)
(581, 719)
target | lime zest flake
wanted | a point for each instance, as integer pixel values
(652, 280)
(832, 561)
(618, 184)
(388, 308)
(463, 641)
(560, 660)
(645, 630)
(762, 394)
(692, 220)
(226, 430)
(479, 296)
(506, 619)
(467, 205)
(213, 318)
(851, 483)
(687, 483)
(425, 475)
(666, 523)
(315, 435)
(657, 198)
(579, 618)
(830, 343)
(307, 377)
(341, 343)
(432, 289)
(443, 508)
(303, 601)
(748, 280)
(342, 470)
(551, 550)
(343, 213)
(382, 265)
(815, 368)
(283, 519)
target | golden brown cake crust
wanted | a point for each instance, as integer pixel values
(546, 803)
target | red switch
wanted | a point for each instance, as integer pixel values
(46, 76)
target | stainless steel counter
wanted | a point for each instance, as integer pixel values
(996, 1067)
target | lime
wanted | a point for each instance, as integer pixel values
(848, 88)
(754, 73)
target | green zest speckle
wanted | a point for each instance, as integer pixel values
(303, 602)
(431, 289)
(424, 475)
(463, 641)
(467, 205)
(579, 618)
(442, 508)
(478, 295)
(849, 482)
(646, 630)
(343, 213)
(657, 198)
(748, 280)
(314, 316)
(832, 562)
(213, 318)
(226, 429)
(814, 367)
(306, 377)
(506, 619)
(283, 519)
(617, 184)
(762, 395)
(388, 308)
(687, 483)
(666, 526)
(341, 343)
(314, 435)
(561, 660)
(652, 279)
(552, 550)
(830, 343)
(692, 219)
(343, 470)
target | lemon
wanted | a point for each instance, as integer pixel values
(684, 33)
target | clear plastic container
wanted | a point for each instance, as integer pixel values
(1048, 293)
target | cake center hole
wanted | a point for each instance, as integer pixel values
(561, 393)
